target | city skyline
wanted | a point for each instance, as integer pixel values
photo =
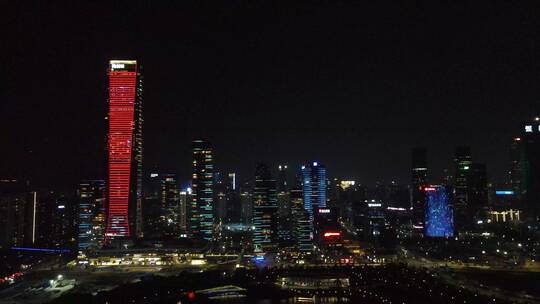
(268, 152)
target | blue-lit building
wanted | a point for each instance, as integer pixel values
(91, 214)
(265, 210)
(439, 221)
(202, 203)
(314, 187)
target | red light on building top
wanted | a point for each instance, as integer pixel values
(331, 234)
(430, 189)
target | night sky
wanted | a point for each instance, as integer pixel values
(354, 86)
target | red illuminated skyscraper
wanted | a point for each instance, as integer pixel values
(125, 150)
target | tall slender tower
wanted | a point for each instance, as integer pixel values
(463, 162)
(528, 169)
(284, 206)
(202, 203)
(419, 171)
(314, 185)
(124, 148)
(170, 205)
(265, 209)
(91, 216)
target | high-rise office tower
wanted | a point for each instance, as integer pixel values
(396, 196)
(314, 187)
(419, 171)
(233, 206)
(477, 195)
(202, 202)
(285, 223)
(18, 214)
(371, 217)
(170, 205)
(31, 218)
(92, 195)
(55, 220)
(349, 195)
(516, 169)
(152, 211)
(284, 216)
(302, 231)
(265, 236)
(125, 151)
(246, 202)
(300, 224)
(463, 162)
(222, 185)
(169, 193)
(327, 230)
(185, 200)
(220, 206)
(529, 167)
(470, 198)
(439, 213)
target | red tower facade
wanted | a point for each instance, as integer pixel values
(122, 95)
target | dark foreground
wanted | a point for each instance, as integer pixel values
(384, 284)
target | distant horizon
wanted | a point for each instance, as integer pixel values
(403, 178)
